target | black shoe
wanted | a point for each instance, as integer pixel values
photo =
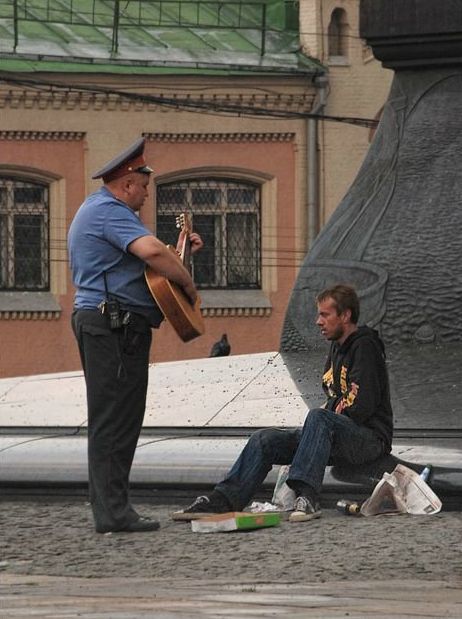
(137, 526)
(304, 510)
(204, 506)
(142, 524)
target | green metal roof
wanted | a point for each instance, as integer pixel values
(151, 36)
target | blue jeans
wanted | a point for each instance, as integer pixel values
(326, 438)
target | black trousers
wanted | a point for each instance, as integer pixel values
(115, 364)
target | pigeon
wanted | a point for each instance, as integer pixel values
(221, 348)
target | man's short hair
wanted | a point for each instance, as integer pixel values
(344, 298)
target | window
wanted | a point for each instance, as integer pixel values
(338, 34)
(226, 214)
(292, 11)
(24, 236)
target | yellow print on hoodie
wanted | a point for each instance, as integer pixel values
(328, 381)
(348, 395)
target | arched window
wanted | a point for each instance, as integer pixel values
(227, 214)
(338, 34)
(24, 235)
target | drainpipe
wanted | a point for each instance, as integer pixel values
(321, 84)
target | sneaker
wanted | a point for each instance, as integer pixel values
(203, 506)
(304, 510)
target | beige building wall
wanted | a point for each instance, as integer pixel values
(358, 87)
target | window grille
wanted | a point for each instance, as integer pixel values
(227, 215)
(24, 235)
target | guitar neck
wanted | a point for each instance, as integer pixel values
(186, 254)
(184, 222)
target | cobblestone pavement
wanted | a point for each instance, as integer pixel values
(54, 538)
(54, 566)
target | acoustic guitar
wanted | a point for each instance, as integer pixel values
(186, 319)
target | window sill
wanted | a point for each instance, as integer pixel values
(338, 61)
(234, 303)
(29, 306)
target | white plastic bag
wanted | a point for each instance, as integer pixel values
(283, 496)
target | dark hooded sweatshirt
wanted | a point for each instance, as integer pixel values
(356, 383)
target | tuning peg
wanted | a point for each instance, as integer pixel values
(180, 221)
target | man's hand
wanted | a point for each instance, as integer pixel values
(196, 242)
(164, 262)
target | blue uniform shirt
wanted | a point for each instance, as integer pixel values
(98, 238)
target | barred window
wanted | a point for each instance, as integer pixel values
(226, 214)
(24, 235)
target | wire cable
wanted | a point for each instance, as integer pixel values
(189, 104)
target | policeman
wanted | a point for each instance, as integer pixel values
(114, 312)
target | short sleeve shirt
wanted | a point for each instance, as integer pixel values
(98, 239)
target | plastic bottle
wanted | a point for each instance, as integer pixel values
(350, 508)
(425, 474)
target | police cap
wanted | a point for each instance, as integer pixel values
(130, 160)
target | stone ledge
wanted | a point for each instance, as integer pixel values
(29, 306)
(235, 303)
(338, 61)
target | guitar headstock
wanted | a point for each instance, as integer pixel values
(183, 222)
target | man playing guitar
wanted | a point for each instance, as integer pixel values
(114, 311)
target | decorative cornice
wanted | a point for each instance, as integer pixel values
(219, 312)
(66, 136)
(29, 315)
(212, 312)
(220, 137)
(68, 100)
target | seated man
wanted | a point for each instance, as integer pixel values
(354, 427)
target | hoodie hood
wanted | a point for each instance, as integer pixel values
(361, 332)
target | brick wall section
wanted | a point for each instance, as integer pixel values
(310, 28)
(359, 87)
(109, 129)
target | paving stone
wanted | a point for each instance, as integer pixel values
(54, 565)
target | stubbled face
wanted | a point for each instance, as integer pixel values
(136, 190)
(330, 323)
